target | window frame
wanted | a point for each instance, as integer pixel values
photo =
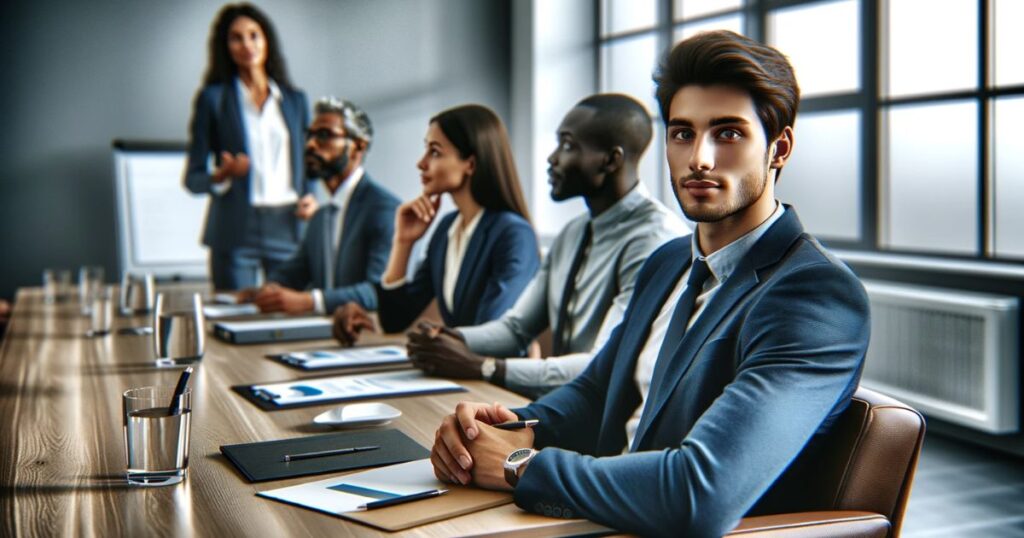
(871, 103)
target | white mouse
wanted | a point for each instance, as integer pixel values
(360, 414)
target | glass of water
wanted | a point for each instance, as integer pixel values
(178, 329)
(101, 311)
(137, 293)
(156, 439)
(89, 277)
(56, 283)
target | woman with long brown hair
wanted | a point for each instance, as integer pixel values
(482, 255)
(252, 120)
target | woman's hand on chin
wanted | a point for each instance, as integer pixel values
(413, 218)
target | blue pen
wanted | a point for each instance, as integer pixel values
(402, 499)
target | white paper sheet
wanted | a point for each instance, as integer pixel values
(401, 479)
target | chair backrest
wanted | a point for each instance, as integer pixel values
(866, 462)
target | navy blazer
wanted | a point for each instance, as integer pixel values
(362, 252)
(771, 361)
(500, 261)
(217, 126)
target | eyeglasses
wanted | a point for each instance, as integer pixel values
(323, 135)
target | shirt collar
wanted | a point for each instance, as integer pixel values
(344, 192)
(275, 91)
(243, 91)
(454, 228)
(723, 261)
(614, 215)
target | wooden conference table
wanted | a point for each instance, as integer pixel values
(62, 456)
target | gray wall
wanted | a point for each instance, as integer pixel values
(79, 74)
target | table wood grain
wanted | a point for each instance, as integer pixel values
(62, 456)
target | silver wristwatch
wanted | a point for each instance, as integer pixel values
(516, 461)
(487, 368)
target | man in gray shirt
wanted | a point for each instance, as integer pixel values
(585, 282)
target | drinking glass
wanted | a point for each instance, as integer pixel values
(156, 439)
(178, 333)
(101, 311)
(137, 293)
(89, 277)
(56, 283)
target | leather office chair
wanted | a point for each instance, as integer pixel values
(855, 481)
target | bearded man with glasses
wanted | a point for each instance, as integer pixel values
(348, 239)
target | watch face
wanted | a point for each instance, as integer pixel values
(487, 369)
(520, 455)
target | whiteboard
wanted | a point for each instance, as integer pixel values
(159, 221)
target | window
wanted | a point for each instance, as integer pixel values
(908, 137)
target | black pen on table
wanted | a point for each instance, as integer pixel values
(322, 453)
(175, 407)
(518, 425)
(402, 499)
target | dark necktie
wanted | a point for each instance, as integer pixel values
(563, 325)
(699, 272)
(330, 238)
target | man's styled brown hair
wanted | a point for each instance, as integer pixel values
(727, 58)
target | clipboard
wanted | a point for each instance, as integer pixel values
(267, 396)
(361, 358)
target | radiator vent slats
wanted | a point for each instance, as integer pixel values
(951, 354)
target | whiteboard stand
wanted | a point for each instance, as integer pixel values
(159, 222)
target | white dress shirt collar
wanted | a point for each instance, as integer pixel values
(268, 143)
(458, 242)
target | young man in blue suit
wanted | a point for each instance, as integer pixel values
(741, 343)
(346, 246)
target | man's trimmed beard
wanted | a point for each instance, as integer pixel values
(326, 169)
(749, 191)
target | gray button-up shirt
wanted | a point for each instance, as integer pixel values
(624, 235)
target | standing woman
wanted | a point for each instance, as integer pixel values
(481, 256)
(252, 120)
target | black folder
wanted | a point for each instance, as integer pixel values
(263, 461)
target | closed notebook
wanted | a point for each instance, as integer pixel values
(265, 460)
(258, 331)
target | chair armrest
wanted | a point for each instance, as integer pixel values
(833, 524)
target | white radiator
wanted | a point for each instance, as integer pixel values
(950, 354)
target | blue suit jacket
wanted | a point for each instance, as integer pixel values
(772, 359)
(500, 261)
(217, 126)
(362, 253)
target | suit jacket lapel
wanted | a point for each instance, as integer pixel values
(471, 260)
(232, 110)
(437, 257)
(348, 231)
(292, 118)
(623, 395)
(768, 250)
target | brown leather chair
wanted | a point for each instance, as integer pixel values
(854, 482)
